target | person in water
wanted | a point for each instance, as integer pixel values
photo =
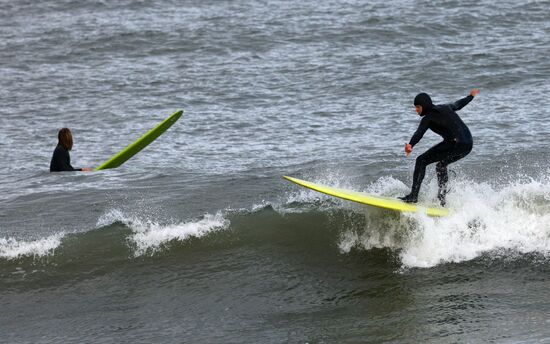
(61, 160)
(457, 141)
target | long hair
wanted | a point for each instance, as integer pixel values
(65, 138)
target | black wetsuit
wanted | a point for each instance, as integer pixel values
(61, 160)
(457, 142)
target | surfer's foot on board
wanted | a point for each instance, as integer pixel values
(410, 198)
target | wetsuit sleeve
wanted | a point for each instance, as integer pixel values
(459, 104)
(422, 127)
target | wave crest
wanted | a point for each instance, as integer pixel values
(11, 248)
(150, 236)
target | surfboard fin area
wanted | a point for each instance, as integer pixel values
(372, 200)
(140, 143)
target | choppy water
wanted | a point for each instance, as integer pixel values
(198, 239)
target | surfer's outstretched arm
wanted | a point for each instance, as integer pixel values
(459, 104)
(422, 127)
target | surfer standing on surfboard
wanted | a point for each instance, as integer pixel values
(457, 141)
(61, 160)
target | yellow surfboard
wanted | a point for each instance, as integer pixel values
(373, 200)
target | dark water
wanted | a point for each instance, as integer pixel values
(199, 240)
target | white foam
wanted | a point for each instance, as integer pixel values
(514, 218)
(11, 248)
(149, 236)
(112, 216)
(153, 236)
(485, 220)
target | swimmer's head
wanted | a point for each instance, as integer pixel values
(65, 138)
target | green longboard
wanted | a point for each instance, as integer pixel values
(140, 143)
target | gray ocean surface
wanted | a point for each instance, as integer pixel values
(198, 239)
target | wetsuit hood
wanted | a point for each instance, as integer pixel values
(424, 100)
